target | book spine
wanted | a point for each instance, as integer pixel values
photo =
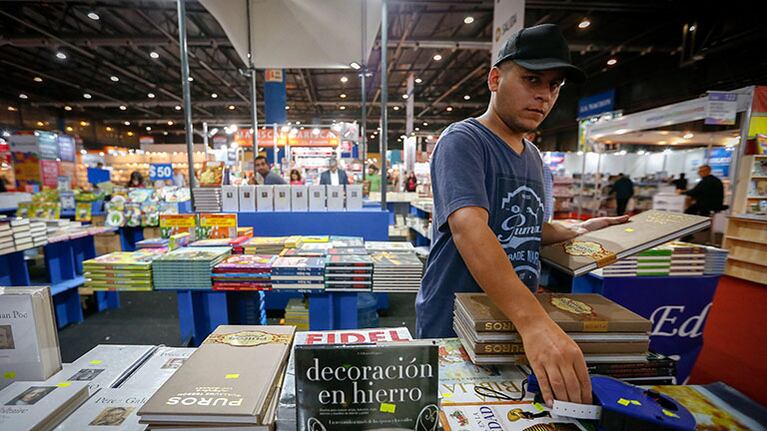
(500, 326)
(593, 348)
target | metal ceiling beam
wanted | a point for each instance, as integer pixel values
(111, 41)
(453, 88)
(475, 45)
(218, 103)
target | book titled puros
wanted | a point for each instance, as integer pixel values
(605, 246)
(232, 378)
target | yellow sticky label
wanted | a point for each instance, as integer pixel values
(636, 403)
(629, 229)
(446, 395)
(388, 408)
(10, 375)
(232, 376)
(95, 362)
(670, 414)
(623, 402)
(64, 384)
(538, 407)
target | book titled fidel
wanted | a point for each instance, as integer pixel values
(605, 246)
(230, 379)
(367, 387)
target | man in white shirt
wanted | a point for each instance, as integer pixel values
(334, 176)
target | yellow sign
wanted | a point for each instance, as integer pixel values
(388, 408)
(218, 220)
(177, 220)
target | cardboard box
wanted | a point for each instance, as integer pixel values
(230, 199)
(299, 198)
(354, 197)
(282, 198)
(335, 198)
(247, 198)
(317, 198)
(264, 198)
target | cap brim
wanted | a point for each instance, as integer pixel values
(572, 73)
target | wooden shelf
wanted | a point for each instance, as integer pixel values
(746, 271)
(751, 261)
(759, 177)
(757, 197)
(737, 238)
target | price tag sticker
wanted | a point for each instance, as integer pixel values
(9, 375)
(232, 376)
(95, 362)
(388, 408)
(64, 384)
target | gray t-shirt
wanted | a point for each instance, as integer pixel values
(472, 166)
(273, 178)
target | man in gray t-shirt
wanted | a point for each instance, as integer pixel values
(264, 173)
(489, 217)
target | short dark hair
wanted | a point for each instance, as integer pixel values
(262, 158)
(681, 175)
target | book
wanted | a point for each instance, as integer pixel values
(586, 312)
(38, 406)
(113, 409)
(504, 416)
(29, 342)
(158, 368)
(105, 366)
(222, 368)
(602, 247)
(367, 387)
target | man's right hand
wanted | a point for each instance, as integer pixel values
(557, 363)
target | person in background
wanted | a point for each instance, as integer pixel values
(295, 177)
(624, 190)
(708, 194)
(3, 189)
(100, 165)
(136, 179)
(411, 183)
(374, 177)
(680, 183)
(334, 176)
(264, 173)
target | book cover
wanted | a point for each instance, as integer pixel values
(105, 366)
(216, 225)
(373, 246)
(603, 247)
(112, 409)
(717, 406)
(367, 387)
(504, 416)
(360, 251)
(586, 312)
(361, 260)
(158, 368)
(39, 405)
(222, 368)
(171, 224)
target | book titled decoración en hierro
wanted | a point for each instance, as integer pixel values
(232, 378)
(389, 386)
(602, 247)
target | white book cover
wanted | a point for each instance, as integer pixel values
(282, 197)
(247, 198)
(29, 344)
(317, 198)
(504, 416)
(299, 198)
(264, 198)
(230, 199)
(113, 409)
(354, 197)
(39, 405)
(335, 198)
(158, 368)
(105, 366)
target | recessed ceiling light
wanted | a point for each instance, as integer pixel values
(154, 54)
(123, 107)
(449, 109)
(130, 133)
(190, 79)
(231, 107)
(127, 123)
(61, 56)
(287, 108)
(170, 122)
(468, 20)
(213, 95)
(93, 15)
(342, 107)
(83, 123)
(396, 108)
(298, 123)
(114, 78)
(108, 129)
(40, 124)
(67, 108)
(23, 96)
(177, 107)
(437, 57)
(342, 95)
(418, 80)
(150, 95)
(417, 129)
(165, 133)
(466, 97)
(405, 96)
(692, 27)
(688, 135)
(612, 61)
(148, 129)
(69, 129)
(354, 65)
(344, 79)
(425, 124)
(87, 95)
(584, 23)
(37, 79)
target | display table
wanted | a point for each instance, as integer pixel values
(677, 307)
(129, 236)
(369, 223)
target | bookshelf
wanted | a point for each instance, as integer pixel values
(746, 240)
(751, 195)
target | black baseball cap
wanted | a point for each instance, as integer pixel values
(541, 47)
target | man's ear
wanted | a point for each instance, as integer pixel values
(493, 79)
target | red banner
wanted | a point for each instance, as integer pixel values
(297, 138)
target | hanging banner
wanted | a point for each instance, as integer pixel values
(508, 17)
(722, 108)
(720, 159)
(596, 104)
(275, 96)
(297, 138)
(66, 148)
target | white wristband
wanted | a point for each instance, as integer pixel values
(576, 411)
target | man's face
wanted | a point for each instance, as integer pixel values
(704, 171)
(333, 165)
(523, 98)
(262, 167)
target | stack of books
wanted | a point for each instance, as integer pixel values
(105, 366)
(307, 239)
(245, 231)
(687, 259)
(347, 241)
(162, 243)
(292, 241)
(264, 245)
(313, 249)
(298, 273)
(348, 272)
(22, 235)
(716, 259)
(605, 331)
(39, 405)
(121, 270)
(390, 246)
(297, 314)
(39, 232)
(222, 369)
(207, 199)
(243, 272)
(653, 262)
(396, 272)
(657, 369)
(6, 237)
(187, 268)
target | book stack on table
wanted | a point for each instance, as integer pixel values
(716, 260)
(310, 249)
(298, 273)
(264, 245)
(348, 269)
(187, 268)
(6, 237)
(652, 262)
(243, 272)
(22, 235)
(39, 232)
(39, 405)
(390, 246)
(396, 272)
(605, 331)
(297, 314)
(347, 241)
(121, 270)
(207, 199)
(161, 243)
(687, 259)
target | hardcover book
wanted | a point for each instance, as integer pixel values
(367, 387)
(158, 368)
(39, 406)
(245, 263)
(222, 370)
(112, 409)
(602, 247)
(105, 366)
(504, 416)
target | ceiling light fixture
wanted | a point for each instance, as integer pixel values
(344, 79)
(154, 55)
(170, 122)
(87, 95)
(449, 109)
(466, 97)
(190, 79)
(127, 123)
(585, 23)
(130, 133)
(69, 129)
(114, 78)
(287, 108)
(123, 107)
(231, 107)
(93, 15)
(688, 135)
(12, 109)
(60, 55)
(148, 129)
(342, 107)
(354, 65)
(108, 129)
(437, 57)
(67, 108)
(396, 108)
(177, 107)
(405, 96)
(150, 95)
(692, 27)
(342, 95)
(83, 123)
(37, 79)
(468, 20)
(425, 124)
(213, 95)
(612, 61)
(165, 133)
(23, 96)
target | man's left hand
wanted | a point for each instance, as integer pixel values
(599, 223)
